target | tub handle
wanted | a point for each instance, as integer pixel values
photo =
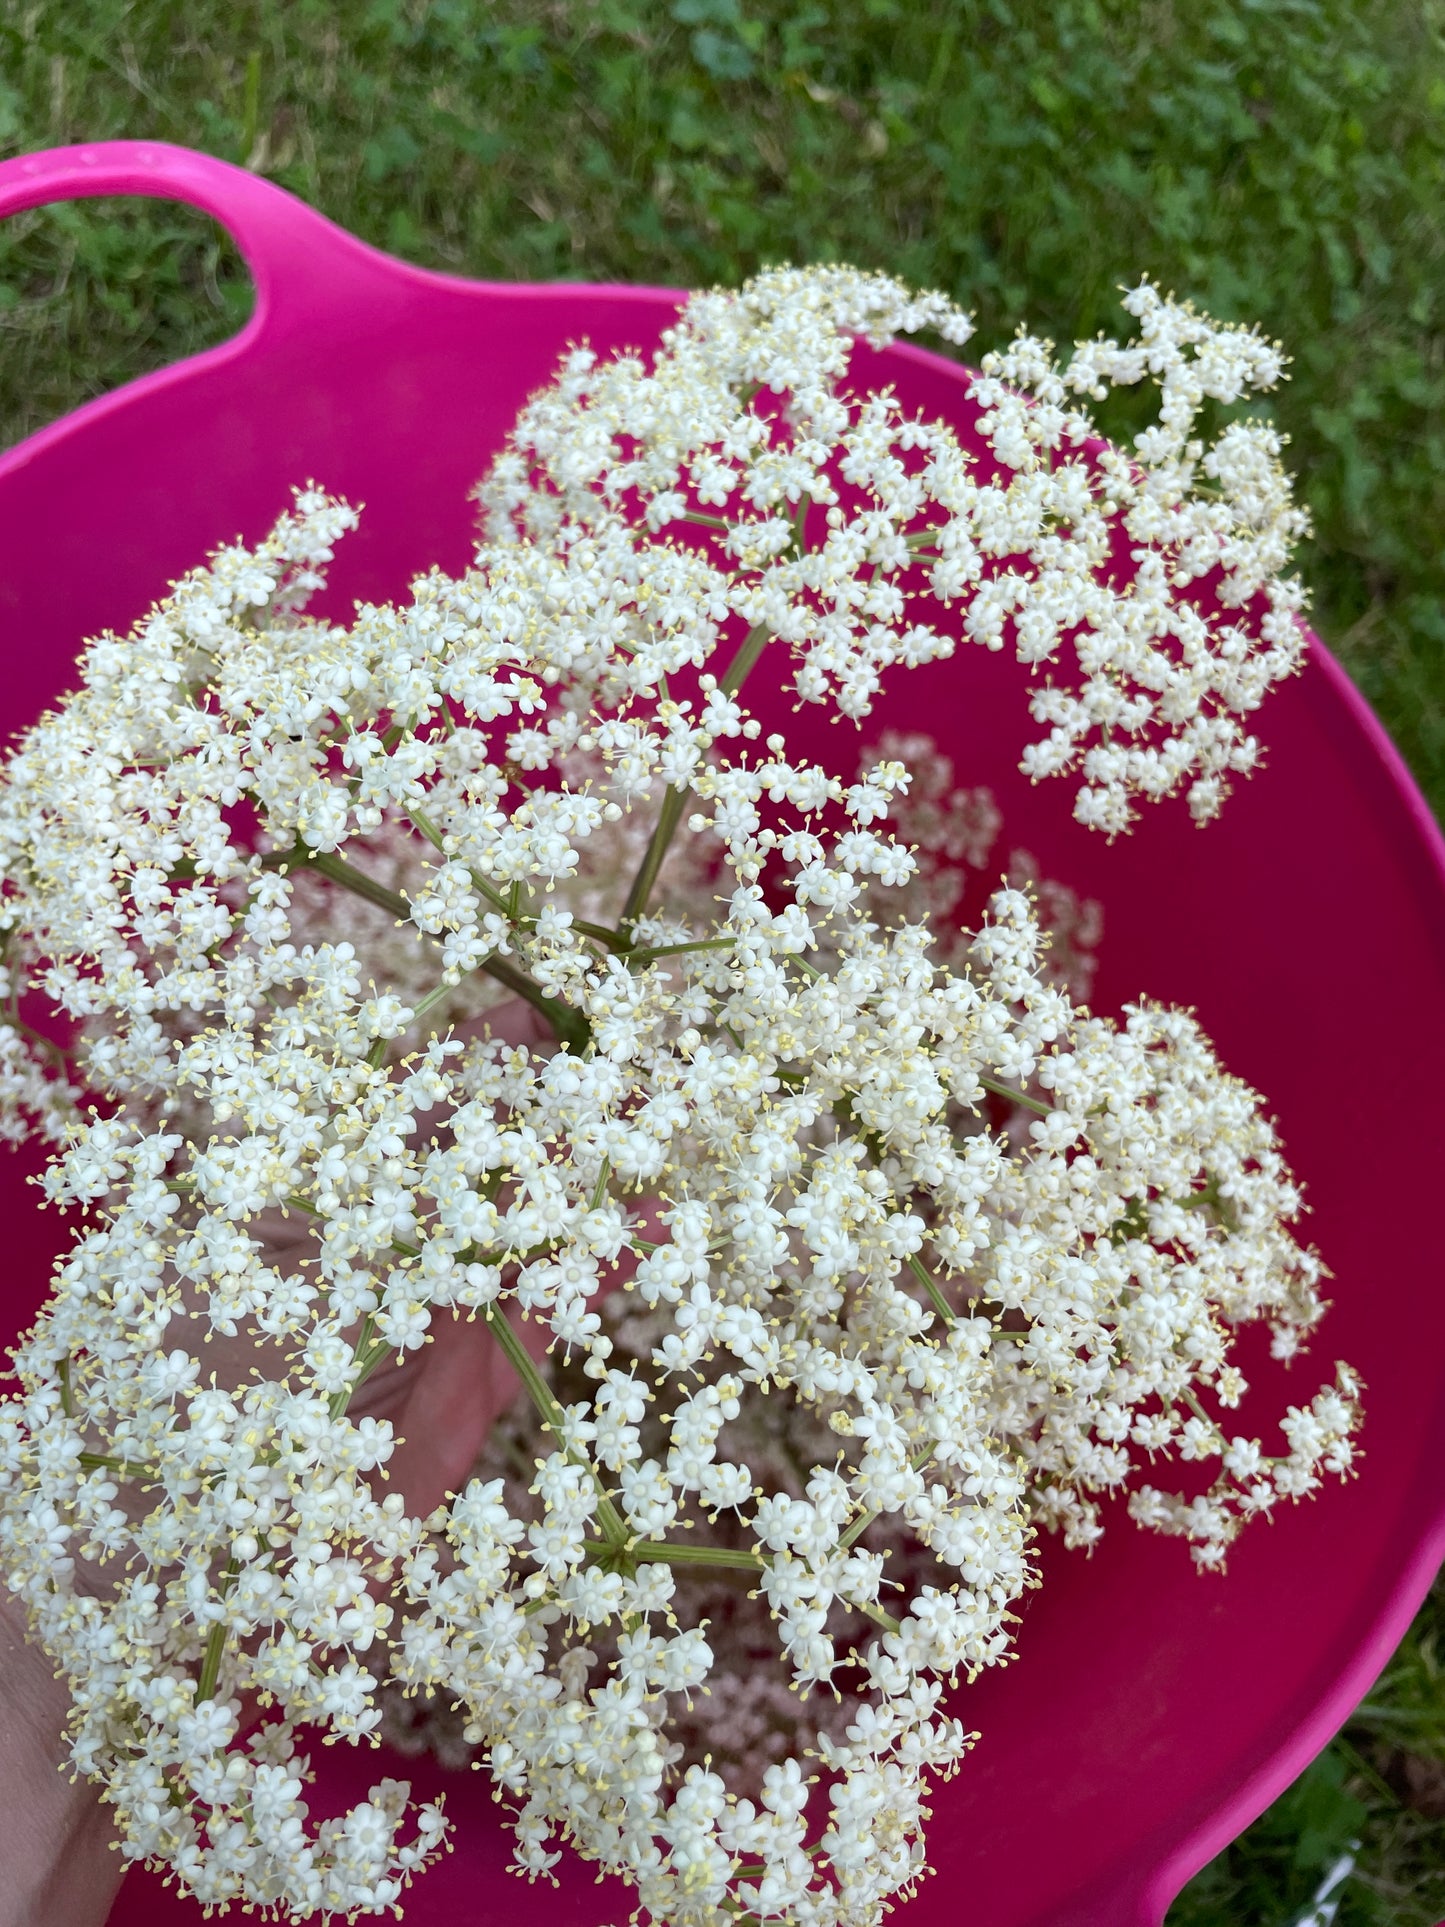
(302, 264)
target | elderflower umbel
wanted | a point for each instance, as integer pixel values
(798, 1163)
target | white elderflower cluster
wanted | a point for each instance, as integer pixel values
(781, 1168)
(849, 528)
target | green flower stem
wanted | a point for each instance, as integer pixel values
(185, 870)
(1019, 1097)
(215, 1642)
(661, 1552)
(59, 1055)
(755, 1871)
(328, 864)
(366, 1354)
(680, 949)
(746, 659)
(657, 1552)
(429, 1003)
(1192, 1401)
(423, 823)
(670, 815)
(800, 522)
(935, 1296)
(569, 1026)
(865, 1519)
(598, 932)
(294, 1202)
(668, 818)
(391, 737)
(122, 1468)
(540, 1393)
(510, 905)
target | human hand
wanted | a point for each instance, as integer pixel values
(57, 1863)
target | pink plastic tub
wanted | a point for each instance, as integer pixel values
(1152, 1713)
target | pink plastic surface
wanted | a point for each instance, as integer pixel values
(1151, 1713)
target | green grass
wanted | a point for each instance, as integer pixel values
(1380, 1786)
(1279, 160)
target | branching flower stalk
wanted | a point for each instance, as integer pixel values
(796, 1166)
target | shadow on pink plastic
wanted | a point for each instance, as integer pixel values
(1150, 1714)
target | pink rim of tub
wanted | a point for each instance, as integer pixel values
(1151, 1714)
